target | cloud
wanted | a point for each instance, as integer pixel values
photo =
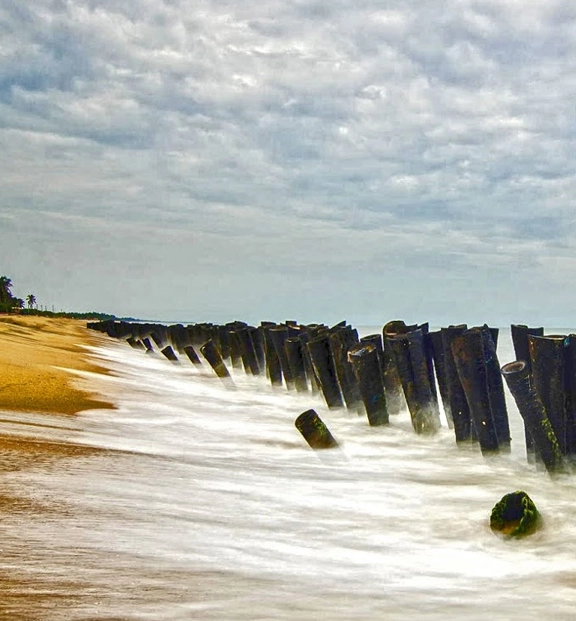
(231, 144)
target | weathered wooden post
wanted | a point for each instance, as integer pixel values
(395, 400)
(214, 358)
(468, 352)
(520, 333)
(273, 368)
(412, 366)
(278, 336)
(341, 340)
(366, 364)
(458, 402)
(169, 353)
(192, 355)
(315, 432)
(570, 387)
(247, 350)
(518, 377)
(495, 386)
(435, 343)
(295, 357)
(547, 359)
(325, 370)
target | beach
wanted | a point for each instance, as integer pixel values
(38, 358)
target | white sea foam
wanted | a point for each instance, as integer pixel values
(220, 511)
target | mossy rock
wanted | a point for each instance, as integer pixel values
(515, 515)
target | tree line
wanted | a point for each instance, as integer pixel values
(10, 303)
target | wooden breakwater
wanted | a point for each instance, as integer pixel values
(405, 367)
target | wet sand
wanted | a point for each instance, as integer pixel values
(37, 355)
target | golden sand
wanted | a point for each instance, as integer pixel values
(35, 353)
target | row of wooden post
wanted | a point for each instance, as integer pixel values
(404, 367)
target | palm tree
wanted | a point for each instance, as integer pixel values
(31, 300)
(5, 294)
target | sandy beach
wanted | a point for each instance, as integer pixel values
(37, 355)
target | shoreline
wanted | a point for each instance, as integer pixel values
(35, 353)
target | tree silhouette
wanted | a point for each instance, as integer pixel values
(31, 300)
(5, 293)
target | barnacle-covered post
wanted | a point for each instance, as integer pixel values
(547, 358)
(468, 352)
(315, 432)
(518, 378)
(325, 370)
(366, 364)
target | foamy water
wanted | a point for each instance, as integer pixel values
(209, 505)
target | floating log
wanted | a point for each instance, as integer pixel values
(366, 364)
(515, 515)
(458, 402)
(315, 432)
(547, 359)
(325, 370)
(518, 377)
(468, 352)
(214, 358)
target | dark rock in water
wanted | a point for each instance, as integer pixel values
(315, 432)
(515, 515)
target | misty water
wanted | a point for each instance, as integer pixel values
(207, 504)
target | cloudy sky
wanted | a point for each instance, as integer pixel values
(308, 159)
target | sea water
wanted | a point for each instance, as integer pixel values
(206, 503)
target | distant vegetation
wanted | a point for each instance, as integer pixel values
(12, 304)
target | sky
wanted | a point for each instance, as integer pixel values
(317, 160)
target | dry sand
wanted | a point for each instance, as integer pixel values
(35, 353)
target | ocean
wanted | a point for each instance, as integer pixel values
(207, 504)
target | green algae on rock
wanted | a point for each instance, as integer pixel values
(515, 515)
